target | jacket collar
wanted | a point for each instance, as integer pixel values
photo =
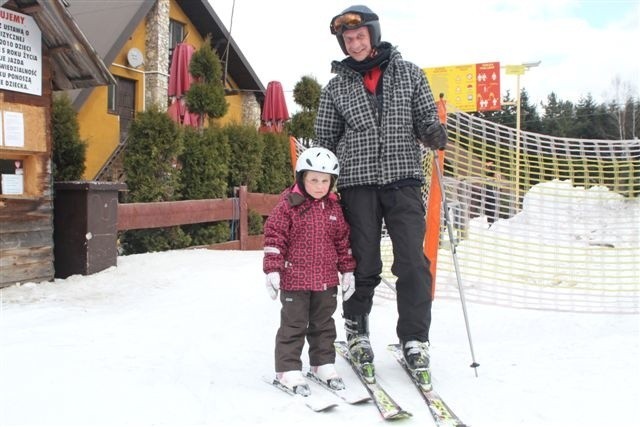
(296, 197)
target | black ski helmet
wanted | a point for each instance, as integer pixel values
(367, 18)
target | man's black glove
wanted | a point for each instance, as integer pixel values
(435, 136)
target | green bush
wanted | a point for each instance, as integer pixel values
(204, 171)
(154, 240)
(154, 144)
(204, 164)
(153, 148)
(277, 173)
(69, 151)
(247, 146)
(209, 233)
(206, 95)
(256, 223)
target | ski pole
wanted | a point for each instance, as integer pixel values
(447, 221)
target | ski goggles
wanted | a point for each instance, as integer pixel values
(350, 21)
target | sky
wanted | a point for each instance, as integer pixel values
(183, 338)
(583, 45)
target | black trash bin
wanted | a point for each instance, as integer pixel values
(85, 226)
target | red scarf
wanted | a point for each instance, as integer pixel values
(371, 79)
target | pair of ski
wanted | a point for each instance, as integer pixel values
(318, 402)
(389, 409)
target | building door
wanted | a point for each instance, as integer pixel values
(125, 104)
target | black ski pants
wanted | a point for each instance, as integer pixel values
(403, 212)
(306, 314)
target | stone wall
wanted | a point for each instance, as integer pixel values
(157, 55)
(250, 110)
(157, 65)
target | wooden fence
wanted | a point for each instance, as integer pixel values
(135, 216)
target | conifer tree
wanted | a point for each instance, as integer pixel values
(205, 168)
(204, 164)
(557, 117)
(206, 95)
(247, 146)
(69, 151)
(306, 93)
(150, 166)
(277, 173)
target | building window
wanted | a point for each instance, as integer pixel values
(111, 99)
(176, 35)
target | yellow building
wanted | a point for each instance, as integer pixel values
(136, 40)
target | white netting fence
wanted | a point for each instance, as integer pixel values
(555, 226)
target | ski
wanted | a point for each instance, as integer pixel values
(388, 408)
(313, 402)
(350, 396)
(440, 411)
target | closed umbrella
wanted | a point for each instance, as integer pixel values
(274, 111)
(179, 77)
(180, 81)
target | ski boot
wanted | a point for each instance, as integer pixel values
(416, 356)
(328, 375)
(294, 380)
(357, 329)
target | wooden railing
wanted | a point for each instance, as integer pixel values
(135, 216)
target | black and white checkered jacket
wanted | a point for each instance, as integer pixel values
(375, 150)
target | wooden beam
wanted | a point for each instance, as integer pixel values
(133, 216)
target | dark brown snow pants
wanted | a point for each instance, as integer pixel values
(306, 314)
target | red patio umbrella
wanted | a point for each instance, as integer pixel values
(274, 111)
(180, 81)
(179, 77)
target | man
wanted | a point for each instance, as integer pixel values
(491, 203)
(374, 114)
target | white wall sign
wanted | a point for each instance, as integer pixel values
(20, 53)
(12, 184)
(13, 129)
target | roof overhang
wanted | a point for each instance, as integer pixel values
(75, 63)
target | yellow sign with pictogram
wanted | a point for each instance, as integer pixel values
(471, 87)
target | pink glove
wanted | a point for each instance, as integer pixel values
(273, 284)
(348, 285)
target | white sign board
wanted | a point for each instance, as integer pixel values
(13, 129)
(20, 53)
(12, 184)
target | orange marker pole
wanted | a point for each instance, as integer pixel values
(294, 154)
(434, 203)
(432, 235)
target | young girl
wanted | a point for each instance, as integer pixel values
(306, 245)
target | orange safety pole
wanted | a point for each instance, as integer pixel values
(434, 203)
(294, 154)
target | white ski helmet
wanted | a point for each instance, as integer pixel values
(319, 160)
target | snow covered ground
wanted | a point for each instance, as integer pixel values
(182, 338)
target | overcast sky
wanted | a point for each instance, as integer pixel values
(583, 45)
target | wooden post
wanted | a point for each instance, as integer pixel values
(244, 217)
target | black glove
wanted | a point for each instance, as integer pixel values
(435, 136)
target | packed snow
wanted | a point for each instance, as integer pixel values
(183, 338)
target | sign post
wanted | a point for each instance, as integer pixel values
(518, 70)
